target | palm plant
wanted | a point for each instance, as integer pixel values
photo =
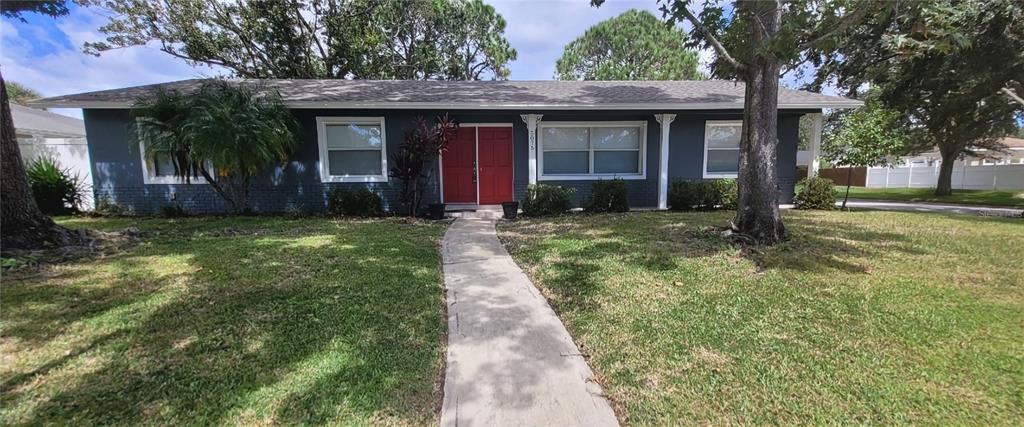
(226, 133)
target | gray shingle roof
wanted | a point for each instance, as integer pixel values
(32, 120)
(594, 95)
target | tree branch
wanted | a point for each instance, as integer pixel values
(859, 13)
(711, 39)
(1013, 95)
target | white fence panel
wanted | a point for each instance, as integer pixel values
(992, 177)
(72, 153)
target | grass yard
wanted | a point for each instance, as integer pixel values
(863, 318)
(230, 321)
(967, 197)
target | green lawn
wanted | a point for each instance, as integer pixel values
(862, 318)
(230, 321)
(969, 197)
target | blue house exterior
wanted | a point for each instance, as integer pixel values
(550, 142)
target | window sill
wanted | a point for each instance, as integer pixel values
(589, 177)
(720, 175)
(355, 178)
(173, 181)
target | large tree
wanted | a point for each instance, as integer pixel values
(384, 39)
(23, 225)
(754, 42)
(635, 45)
(952, 69)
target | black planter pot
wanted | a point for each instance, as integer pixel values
(511, 209)
(435, 211)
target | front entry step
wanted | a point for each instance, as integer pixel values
(474, 211)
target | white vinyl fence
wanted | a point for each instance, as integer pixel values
(985, 177)
(71, 153)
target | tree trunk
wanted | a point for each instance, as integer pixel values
(757, 214)
(945, 185)
(849, 182)
(24, 225)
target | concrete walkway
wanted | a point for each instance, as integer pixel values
(930, 207)
(510, 360)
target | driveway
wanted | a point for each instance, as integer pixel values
(930, 207)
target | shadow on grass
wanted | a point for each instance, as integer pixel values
(263, 328)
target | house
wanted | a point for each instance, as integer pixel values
(42, 133)
(512, 134)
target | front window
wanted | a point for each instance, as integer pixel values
(352, 149)
(158, 168)
(722, 148)
(573, 150)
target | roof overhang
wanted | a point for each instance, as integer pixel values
(404, 105)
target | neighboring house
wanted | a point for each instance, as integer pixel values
(990, 170)
(42, 133)
(513, 133)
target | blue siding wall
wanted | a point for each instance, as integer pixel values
(117, 166)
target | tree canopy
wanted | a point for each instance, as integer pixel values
(635, 45)
(868, 136)
(951, 69)
(380, 39)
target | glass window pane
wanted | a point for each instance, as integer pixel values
(353, 136)
(163, 164)
(623, 137)
(617, 162)
(723, 161)
(566, 139)
(354, 162)
(566, 162)
(723, 136)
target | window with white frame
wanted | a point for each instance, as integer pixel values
(352, 149)
(722, 148)
(158, 168)
(577, 150)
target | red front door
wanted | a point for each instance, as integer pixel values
(495, 145)
(458, 168)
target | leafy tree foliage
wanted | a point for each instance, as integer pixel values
(869, 136)
(20, 94)
(225, 132)
(635, 45)
(952, 69)
(383, 39)
(17, 8)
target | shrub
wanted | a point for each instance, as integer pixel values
(689, 195)
(56, 190)
(543, 199)
(608, 196)
(173, 210)
(359, 202)
(815, 193)
(726, 193)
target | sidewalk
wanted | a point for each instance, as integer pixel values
(511, 362)
(930, 207)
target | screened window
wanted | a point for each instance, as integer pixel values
(352, 149)
(722, 148)
(585, 151)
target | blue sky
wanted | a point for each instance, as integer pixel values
(46, 54)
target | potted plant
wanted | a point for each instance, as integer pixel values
(511, 209)
(435, 211)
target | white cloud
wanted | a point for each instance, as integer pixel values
(66, 69)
